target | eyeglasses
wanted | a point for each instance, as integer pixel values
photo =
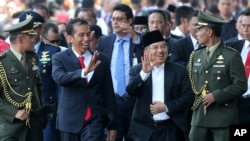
(57, 41)
(157, 47)
(118, 19)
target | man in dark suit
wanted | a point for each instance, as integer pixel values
(163, 94)
(86, 104)
(21, 113)
(122, 18)
(160, 20)
(183, 47)
(217, 77)
(243, 47)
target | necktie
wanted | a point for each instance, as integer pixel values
(88, 110)
(247, 64)
(23, 61)
(208, 55)
(120, 70)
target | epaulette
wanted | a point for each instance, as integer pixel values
(2, 55)
(50, 44)
(230, 48)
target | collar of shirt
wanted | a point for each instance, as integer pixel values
(194, 41)
(178, 32)
(17, 54)
(246, 44)
(159, 68)
(213, 48)
(126, 38)
(87, 55)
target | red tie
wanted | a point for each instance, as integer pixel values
(247, 64)
(88, 110)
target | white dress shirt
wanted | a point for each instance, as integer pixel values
(243, 54)
(158, 89)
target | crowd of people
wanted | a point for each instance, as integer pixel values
(123, 70)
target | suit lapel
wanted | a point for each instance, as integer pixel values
(168, 80)
(110, 45)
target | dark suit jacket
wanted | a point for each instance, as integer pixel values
(236, 44)
(226, 80)
(181, 51)
(106, 45)
(228, 30)
(77, 94)
(178, 97)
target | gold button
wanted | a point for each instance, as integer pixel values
(27, 77)
(195, 70)
(226, 104)
(28, 88)
(206, 71)
(206, 81)
(50, 97)
(218, 78)
(15, 80)
(218, 71)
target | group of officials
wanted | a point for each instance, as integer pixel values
(126, 88)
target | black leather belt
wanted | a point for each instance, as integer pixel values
(161, 122)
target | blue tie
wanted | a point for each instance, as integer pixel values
(120, 70)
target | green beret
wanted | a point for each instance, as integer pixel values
(24, 27)
(208, 20)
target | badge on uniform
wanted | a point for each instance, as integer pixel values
(13, 70)
(198, 63)
(220, 59)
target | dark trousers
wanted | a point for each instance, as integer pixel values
(208, 134)
(50, 132)
(244, 110)
(124, 107)
(167, 131)
(91, 131)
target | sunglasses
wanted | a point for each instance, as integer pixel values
(57, 41)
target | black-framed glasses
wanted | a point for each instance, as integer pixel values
(118, 19)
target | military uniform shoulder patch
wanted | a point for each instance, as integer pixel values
(230, 48)
(2, 55)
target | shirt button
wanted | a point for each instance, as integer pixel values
(206, 72)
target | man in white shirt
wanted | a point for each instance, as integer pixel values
(163, 94)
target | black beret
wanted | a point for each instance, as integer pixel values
(140, 20)
(37, 18)
(152, 37)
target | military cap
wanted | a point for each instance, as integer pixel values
(24, 27)
(38, 20)
(152, 37)
(140, 20)
(208, 20)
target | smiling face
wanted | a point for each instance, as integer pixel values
(80, 38)
(158, 52)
